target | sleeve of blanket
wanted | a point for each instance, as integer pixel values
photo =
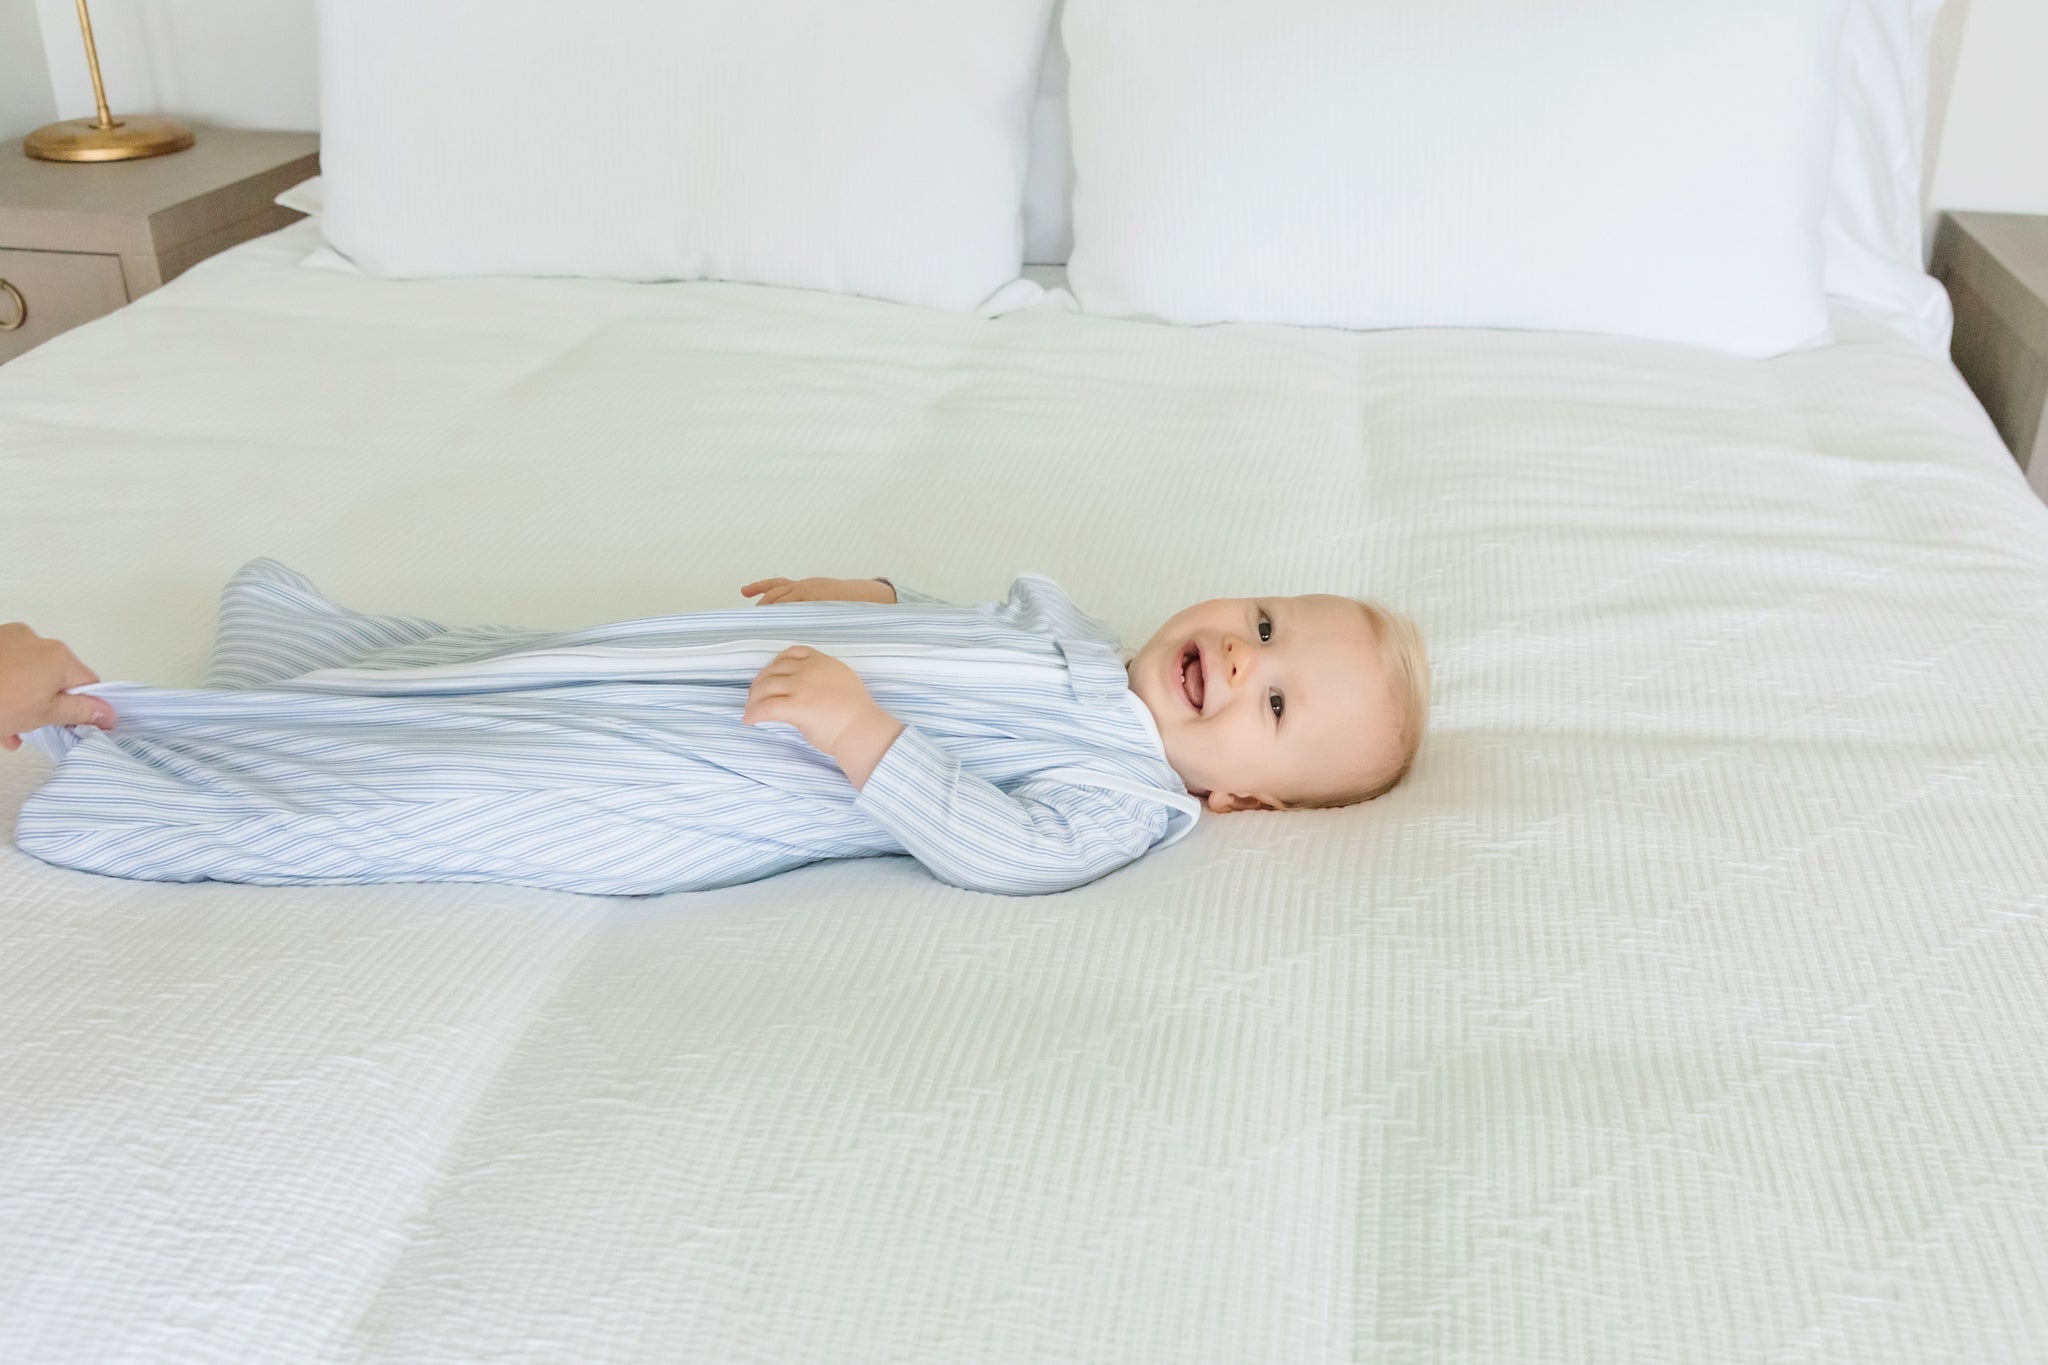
(1037, 837)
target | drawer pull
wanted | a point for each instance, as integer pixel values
(20, 308)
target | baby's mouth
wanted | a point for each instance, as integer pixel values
(1193, 681)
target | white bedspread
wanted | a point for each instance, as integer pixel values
(1689, 1003)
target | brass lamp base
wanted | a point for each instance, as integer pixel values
(128, 138)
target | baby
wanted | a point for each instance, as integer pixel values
(1285, 703)
(1010, 747)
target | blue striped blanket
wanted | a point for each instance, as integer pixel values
(330, 745)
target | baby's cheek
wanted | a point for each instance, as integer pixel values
(1230, 755)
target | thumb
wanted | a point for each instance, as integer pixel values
(81, 710)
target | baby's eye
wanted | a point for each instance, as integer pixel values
(1265, 630)
(1279, 705)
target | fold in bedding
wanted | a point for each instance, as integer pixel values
(332, 746)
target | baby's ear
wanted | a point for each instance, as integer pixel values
(1223, 804)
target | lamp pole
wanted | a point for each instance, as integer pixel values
(104, 138)
(92, 64)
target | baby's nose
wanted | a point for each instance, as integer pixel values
(1239, 655)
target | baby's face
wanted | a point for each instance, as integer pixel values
(1268, 701)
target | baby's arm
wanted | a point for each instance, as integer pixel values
(773, 590)
(1039, 836)
(882, 590)
(1042, 836)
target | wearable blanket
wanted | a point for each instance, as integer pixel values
(333, 746)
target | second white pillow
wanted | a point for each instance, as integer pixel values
(1656, 168)
(871, 147)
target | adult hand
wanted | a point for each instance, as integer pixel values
(33, 675)
(773, 590)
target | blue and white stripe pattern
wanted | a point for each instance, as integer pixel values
(334, 746)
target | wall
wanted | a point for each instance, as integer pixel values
(25, 99)
(1994, 149)
(239, 63)
(251, 62)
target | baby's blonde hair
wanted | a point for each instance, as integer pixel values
(1407, 667)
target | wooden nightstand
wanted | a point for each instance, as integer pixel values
(1995, 266)
(80, 239)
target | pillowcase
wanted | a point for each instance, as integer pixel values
(304, 197)
(1049, 187)
(1871, 238)
(872, 147)
(1658, 168)
(1874, 228)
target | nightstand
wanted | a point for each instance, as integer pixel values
(1995, 266)
(80, 239)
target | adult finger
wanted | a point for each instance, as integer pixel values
(762, 585)
(81, 710)
(76, 674)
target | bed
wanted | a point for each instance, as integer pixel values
(1688, 1002)
(1685, 1003)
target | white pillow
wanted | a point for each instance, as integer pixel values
(871, 147)
(1658, 168)
(1875, 258)
(1871, 238)
(1049, 188)
(304, 197)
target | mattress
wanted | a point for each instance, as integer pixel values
(1689, 1002)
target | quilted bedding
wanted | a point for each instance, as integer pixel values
(1689, 1002)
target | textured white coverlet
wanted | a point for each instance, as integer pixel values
(1687, 1004)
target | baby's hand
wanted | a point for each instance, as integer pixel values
(827, 701)
(772, 590)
